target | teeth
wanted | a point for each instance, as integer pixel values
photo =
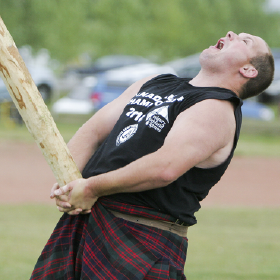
(220, 45)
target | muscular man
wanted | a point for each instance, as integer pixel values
(147, 159)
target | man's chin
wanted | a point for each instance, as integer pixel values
(206, 55)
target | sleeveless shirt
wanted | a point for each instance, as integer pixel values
(142, 128)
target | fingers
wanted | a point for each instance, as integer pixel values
(67, 210)
(57, 191)
(55, 187)
(60, 197)
(63, 204)
(63, 197)
(63, 190)
(73, 211)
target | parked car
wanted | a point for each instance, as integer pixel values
(93, 93)
(42, 75)
(105, 63)
(72, 76)
(112, 83)
(255, 110)
(78, 101)
(187, 67)
(43, 79)
(96, 91)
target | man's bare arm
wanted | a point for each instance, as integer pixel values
(197, 136)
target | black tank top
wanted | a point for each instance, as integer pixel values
(142, 128)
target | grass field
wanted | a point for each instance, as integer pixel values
(231, 244)
(226, 244)
(24, 230)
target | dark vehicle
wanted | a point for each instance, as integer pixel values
(93, 92)
(106, 63)
(255, 110)
(187, 67)
(113, 83)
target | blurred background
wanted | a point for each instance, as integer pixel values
(84, 53)
(70, 47)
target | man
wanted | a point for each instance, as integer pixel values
(147, 159)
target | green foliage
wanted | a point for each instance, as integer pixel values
(160, 29)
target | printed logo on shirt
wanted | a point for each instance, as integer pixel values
(147, 99)
(126, 134)
(158, 118)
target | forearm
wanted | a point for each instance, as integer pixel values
(148, 172)
(82, 146)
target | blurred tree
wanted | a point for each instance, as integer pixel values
(52, 24)
(160, 29)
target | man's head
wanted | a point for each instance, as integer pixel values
(264, 64)
(243, 59)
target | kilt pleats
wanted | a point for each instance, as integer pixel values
(101, 246)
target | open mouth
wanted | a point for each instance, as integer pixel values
(220, 44)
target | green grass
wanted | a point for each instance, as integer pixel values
(226, 244)
(231, 244)
(12, 132)
(258, 145)
(24, 230)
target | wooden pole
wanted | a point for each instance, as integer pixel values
(34, 111)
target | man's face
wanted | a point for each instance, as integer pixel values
(233, 51)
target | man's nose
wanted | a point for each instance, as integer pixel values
(231, 35)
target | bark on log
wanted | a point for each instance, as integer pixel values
(34, 111)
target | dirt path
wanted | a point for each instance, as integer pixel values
(26, 177)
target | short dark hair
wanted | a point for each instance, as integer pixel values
(264, 64)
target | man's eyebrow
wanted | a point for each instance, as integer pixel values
(246, 37)
(250, 38)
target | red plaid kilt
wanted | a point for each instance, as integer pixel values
(102, 246)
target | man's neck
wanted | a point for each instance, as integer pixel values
(214, 80)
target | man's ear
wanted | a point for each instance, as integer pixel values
(248, 71)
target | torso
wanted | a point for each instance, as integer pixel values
(142, 128)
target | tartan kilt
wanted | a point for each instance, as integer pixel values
(101, 246)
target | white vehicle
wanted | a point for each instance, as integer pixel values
(96, 91)
(78, 101)
(41, 73)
